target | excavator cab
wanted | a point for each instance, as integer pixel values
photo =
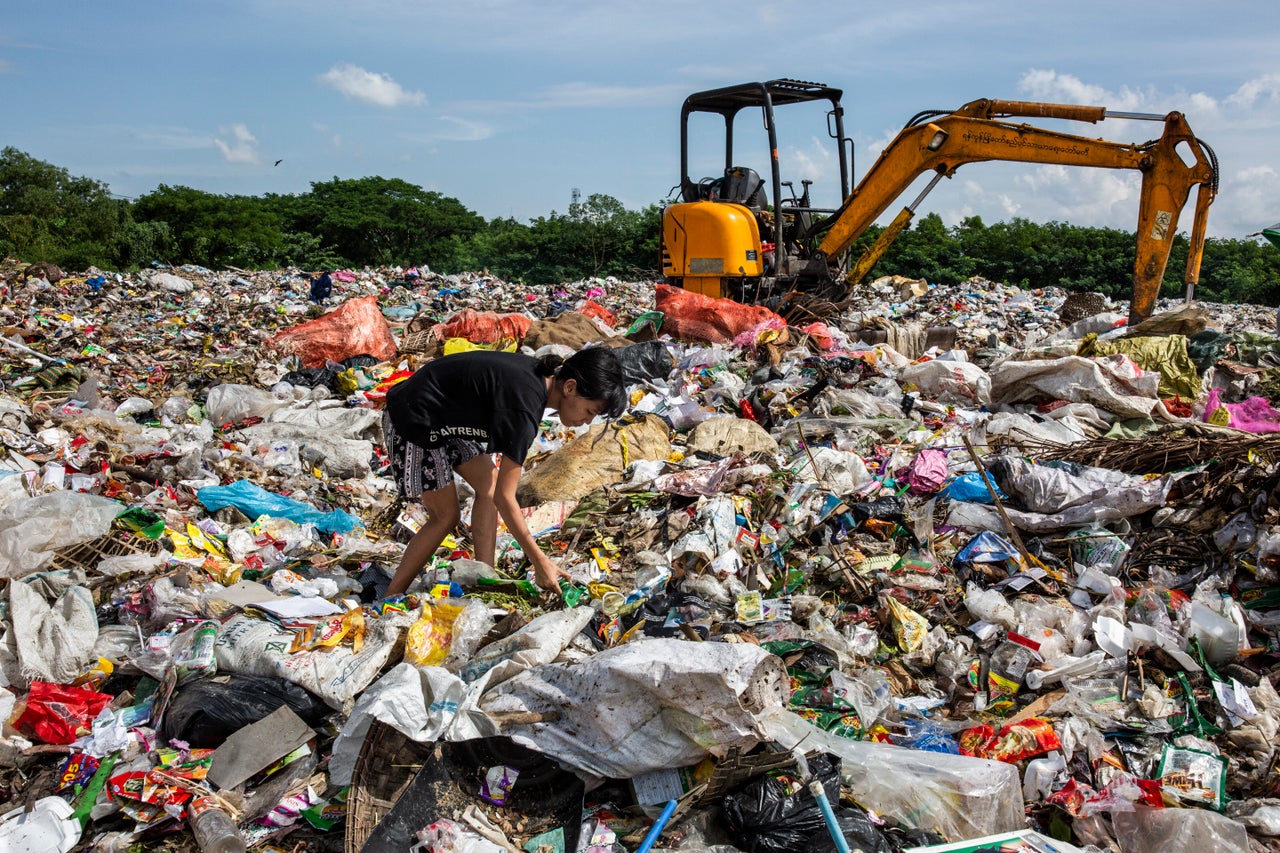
(734, 233)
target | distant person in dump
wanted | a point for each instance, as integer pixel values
(321, 286)
(456, 410)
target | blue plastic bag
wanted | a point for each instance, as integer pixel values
(987, 547)
(970, 487)
(927, 736)
(253, 501)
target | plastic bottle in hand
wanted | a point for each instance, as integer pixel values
(213, 828)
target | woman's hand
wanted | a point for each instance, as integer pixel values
(547, 574)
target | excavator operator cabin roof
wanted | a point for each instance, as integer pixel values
(731, 99)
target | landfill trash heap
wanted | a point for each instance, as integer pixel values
(963, 566)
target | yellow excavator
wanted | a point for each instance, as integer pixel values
(731, 235)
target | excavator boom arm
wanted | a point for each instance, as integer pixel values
(971, 135)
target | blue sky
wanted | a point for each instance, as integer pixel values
(508, 106)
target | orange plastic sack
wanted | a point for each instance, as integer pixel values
(356, 327)
(483, 327)
(690, 316)
(821, 333)
(599, 312)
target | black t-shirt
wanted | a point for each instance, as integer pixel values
(492, 397)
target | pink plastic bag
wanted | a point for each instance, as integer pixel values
(927, 472)
(1253, 415)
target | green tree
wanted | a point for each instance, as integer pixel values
(215, 231)
(384, 221)
(505, 247)
(47, 214)
(1240, 271)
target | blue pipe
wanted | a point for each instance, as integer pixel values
(661, 824)
(829, 817)
(815, 788)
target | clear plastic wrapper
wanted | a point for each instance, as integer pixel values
(1179, 831)
(953, 795)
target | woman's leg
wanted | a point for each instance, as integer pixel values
(442, 517)
(482, 476)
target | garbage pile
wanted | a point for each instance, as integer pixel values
(834, 587)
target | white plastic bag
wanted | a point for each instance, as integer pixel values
(232, 403)
(537, 643)
(1178, 831)
(32, 530)
(956, 382)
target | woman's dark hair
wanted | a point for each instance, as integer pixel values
(598, 373)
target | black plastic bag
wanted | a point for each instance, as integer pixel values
(778, 814)
(882, 509)
(649, 360)
(205, 713)
(859, 833)
(313, 377)
(363, 360)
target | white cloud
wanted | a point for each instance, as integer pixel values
(242, 149)
(816, 161)
(1266, 88)
(370, 87)
(1052, 86)
(454, 129)
(1253, 199)
(1238, 123)
(580, 94)
(1048, 85)
(874, 147)
(977, 198)
(163, 137)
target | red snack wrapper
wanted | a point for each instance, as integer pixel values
(1012, 743)
(56, 712)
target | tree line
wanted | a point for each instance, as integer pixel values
(47, 214)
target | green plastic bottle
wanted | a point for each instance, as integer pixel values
(571, 594)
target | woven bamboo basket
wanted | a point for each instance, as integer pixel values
(87, 555)
(386, 765)
(422, 341)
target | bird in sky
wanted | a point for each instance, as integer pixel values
(278, 162)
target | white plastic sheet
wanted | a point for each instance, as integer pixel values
(840, 472)
(537, 643)
(644, 706)
(1178, 831)
(231, 403)
(337, 675)
(55, 639)
(419, 702)
(710, 534)
(947, 381)
(1113, 383)
(1046, 489)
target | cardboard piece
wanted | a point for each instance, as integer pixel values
(256, 747)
